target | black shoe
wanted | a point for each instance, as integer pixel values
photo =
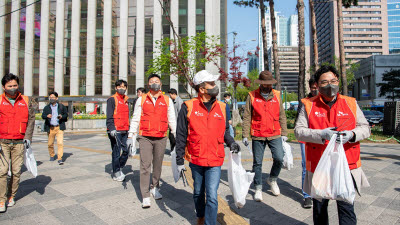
(55, 157)
(51, 159)
(60, 162)
(307, 204)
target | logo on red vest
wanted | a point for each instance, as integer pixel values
(259, 100)
(340, 113)
(273, 100)
(319, 114)
(120, 102)
(217, 115)
(148, 102)
(161, 103)
(6, 103)
(21, 104)
(197, 113)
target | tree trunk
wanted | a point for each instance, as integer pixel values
(302, 53)
(275, 45)
(264, 35)
(341, 48)
(314, 36)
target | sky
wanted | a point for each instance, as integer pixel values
(244, 21)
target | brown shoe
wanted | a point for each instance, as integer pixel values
(200, 221)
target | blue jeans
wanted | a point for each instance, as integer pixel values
(231, 132)
(258, 155)
(206, 183)
(117, 144)
(303, 165)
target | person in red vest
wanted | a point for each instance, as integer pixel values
(17, 119)
(319, 118)
(264, 118)
(117, 128)
(202, 130)
(153, 113)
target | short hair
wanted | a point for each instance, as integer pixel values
(324, 69)
(173, 91)
(141, 89)
(197, 87)
(311, 81)
(54, 93)
(227, 94)
(9, 77)
(153, 75)
(119, 82)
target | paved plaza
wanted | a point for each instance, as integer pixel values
(82, 192)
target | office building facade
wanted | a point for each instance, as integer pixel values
(393, 11)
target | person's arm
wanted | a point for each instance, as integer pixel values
(228, 139)
(362, 130)
(32, 106)
(282, 121)
(171, 117)
(179, 104)
(137, 113)
(303, 133)
(110, 114)
(247, 118)
(181, 135)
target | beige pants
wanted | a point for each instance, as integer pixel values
(15, 154)
(56, 132)
(151, 153)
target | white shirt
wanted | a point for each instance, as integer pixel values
(137, 113)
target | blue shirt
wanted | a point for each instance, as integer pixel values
(54, 114)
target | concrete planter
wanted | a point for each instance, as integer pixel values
(76, 124)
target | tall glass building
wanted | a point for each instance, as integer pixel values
(393, 11)
(79, 47)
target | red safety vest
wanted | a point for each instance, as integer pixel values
(154, 118)
(265, 115)
(343, 115)
(206, 130)
(121, 112)
(13, 119)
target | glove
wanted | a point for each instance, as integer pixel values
(347, 136)
(245, 142)
(181, 168)
(129, 143)
(284, 138)
(235, 148)
(113, 133)
(327, 133)
(27, 143)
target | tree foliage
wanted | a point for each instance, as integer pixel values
(390, 87)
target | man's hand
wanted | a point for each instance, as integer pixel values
(27, 143)
(181, 168)
(347, 136)
(327, 133)
(59, 117)
(49, 116)
(113, 133)
(129, 143)
(245, 142)
(230, 122)
(284, 138)
(235, 148)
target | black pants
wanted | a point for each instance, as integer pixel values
(118, 144)
(171, 140)
(345, 212)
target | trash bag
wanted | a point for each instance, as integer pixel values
(239, 180)
(174, 166)
(30, 162)
(332, 178)
(132, 150)
(288, 157)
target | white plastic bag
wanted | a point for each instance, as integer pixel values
(239, 180)
(332, 178)
(132, 150)
(30, 162)
(288, 157)
(174, 166)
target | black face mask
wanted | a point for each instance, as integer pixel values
(52, 101)
(155, 87)
(213, 92)
(121, 91)
(265, 90)
(329, 90)
(314, 92)
(12, 91)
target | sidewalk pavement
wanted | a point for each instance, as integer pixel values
(81, 191)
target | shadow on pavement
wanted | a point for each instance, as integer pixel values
(37, 184)
(368, 155)
(66, 155)
(23, 168)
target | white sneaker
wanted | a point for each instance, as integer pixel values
(11, 202)
(258, 196)
(146, 203)
(156, 193)
(2, 207)
(274, 187)
(119, 176)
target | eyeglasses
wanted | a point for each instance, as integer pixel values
(326, 82)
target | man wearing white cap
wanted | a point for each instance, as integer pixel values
(202, 129)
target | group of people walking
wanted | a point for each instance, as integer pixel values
(197, 130)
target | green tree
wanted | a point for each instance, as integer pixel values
(241, 90)
(390, 87)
